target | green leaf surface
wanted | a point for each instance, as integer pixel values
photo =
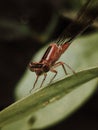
(45, 96)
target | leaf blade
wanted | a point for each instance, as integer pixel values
(36, 101)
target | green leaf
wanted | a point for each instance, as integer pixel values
(42, 98)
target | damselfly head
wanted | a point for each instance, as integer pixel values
(38, 68)
(35, 67)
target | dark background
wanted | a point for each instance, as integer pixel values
(22, 27)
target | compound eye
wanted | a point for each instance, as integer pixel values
(45, 68)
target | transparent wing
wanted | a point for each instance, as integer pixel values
(85, 17)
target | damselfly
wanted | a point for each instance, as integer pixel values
(85, 17)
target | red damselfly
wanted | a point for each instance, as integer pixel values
(48, 62)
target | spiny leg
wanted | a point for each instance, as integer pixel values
(62, 63)
(45, 75)
(64, 68)
(54, 71)
(34, 83)
(70, 68)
